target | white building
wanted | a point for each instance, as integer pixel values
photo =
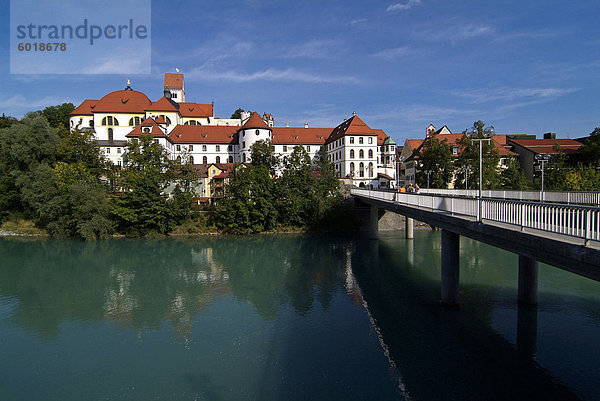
(363, 155)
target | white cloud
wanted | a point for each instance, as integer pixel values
(403, 6)
(394, 52)
(536, 95)
(270, 74)
(473, 30)
(323, 48)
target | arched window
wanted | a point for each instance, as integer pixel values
(243, 158)
(370, 170)
(134, 121)
(352, 168)
(110, 134)
(167, 119)
(204, 148)
(192, 122)
(204, 160)
(218, 160)
(230, 159)
(110, 120)
(191, 159)
(361, 154)
(370, 154)
(361, 169)
(352, 153)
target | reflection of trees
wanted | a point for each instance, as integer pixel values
(141, 283)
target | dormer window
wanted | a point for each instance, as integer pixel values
(146, 130)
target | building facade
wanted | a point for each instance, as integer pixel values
(190, 131)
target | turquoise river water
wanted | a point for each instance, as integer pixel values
(287, 318)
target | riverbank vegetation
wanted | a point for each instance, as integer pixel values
(58, 181)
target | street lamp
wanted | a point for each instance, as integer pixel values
(486, 136)
(466, 168)
(542, 158)
(428, 172)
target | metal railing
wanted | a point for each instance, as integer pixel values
(575, 221)
(569, 198)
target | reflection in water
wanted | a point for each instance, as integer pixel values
(285, 317)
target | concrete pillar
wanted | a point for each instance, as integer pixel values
(528, 280)
(410, 228)
(450, 267)
(374, 222)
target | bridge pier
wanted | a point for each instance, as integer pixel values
(527, 323)
(528, 280)
(450, 267)
(374, 222)
(409, 225)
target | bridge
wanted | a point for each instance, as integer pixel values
(561, 234)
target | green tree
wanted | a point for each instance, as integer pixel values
(7, 121)
(262, 153)
(297, 189)
(589, 152)
(513, 177)
(142, 207)
(435, 156)
(237, 113)
(469, 155)
(81, 146)
(249, 205)
(58, 115)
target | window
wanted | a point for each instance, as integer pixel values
(351, 139)
(284, 148)
(92, 123)
(167, 119)
(257, 132)
(392, 148)
(243, 145)
(308, 148)
(110, 134)
(230, 159)
(173, 95)
(119, 163)
(352, 153)
(214, 171)
(370, 153)
(110, 120)
(191, 147)
(360, 139)
(229, 148)
(146, 130)
(361, 154)
(107, 150)
(204, 160)
(454, 150)
(370, 140)
(218, 148)
(204, 148)
(191, 159)
(218, 160)
(352, 168)
(134, 121)
(361, 169)
(178, 148)
(243, 157)
(370, 170)
(118, 150)
(192, 122)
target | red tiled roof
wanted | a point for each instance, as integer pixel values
(163, 104)
(255, 121)
(160, 120)
(86, 108)
(547, 145)
(224, 174)
(173, 80)
(352, 126)
(380, 136)
(204, 134)
(190, 109)
(155, 130)
(300, 135)
(387, 177)
(414, 143)
(123, 101)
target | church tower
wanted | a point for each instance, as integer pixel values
(173, 87)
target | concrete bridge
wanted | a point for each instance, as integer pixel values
(563, 235)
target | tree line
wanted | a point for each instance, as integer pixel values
(579, 172)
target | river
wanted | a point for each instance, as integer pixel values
(288, 317)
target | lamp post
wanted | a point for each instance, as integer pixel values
(428, 172)
(466, 168)
(542, 158)
(475, 137)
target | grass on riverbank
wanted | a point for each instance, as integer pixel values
(22, 227)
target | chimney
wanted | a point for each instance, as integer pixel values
(305, 125)
(550, 135)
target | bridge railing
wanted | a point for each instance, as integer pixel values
(576, 221)
(570, 198)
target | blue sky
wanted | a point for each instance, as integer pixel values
(522, 66)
